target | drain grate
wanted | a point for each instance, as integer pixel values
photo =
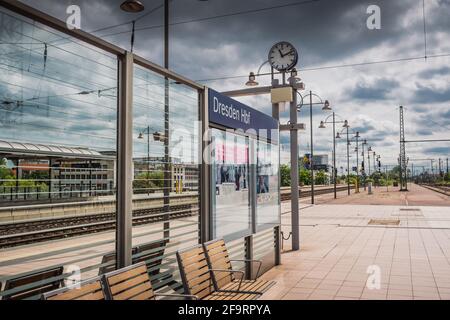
(408, 212)
(384, 222)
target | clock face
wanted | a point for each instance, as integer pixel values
(283, 56)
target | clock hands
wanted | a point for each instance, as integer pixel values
(283, 55)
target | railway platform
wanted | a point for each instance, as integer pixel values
(400, 240)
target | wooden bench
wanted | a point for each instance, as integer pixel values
(133, 283)
(197, 277)
(91, 289)
(108, 263)
(152, 253)
(218, 258)
(34, 284)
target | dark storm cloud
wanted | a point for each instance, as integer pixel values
(379, 90)
(438, 150)
(431, 95)
(322, 31)
(424, 132)
(430, 73)
(326, 32)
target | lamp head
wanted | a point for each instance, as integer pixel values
(326, 105)
(157, 136)
(294, 72)
(132, 6)
(251, 80)
(294, 81)
(338, 136)
(322, 125)
(141, 135)
(345, 124)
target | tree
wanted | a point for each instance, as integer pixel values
(148, 181)
(285, 172)
(304, 177)
(321, 177)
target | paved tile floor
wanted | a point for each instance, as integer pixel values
(342, 257)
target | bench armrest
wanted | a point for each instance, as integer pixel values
(231, 271)
(193, 297)
(251, 260)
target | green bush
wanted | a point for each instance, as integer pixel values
(285, 173)
(321, 177)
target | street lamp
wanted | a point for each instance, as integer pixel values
(251, 80)
(322, 126)
(338, 136)
(356, 137)
(325, 106)
(132, 6)
(363, 167)
(156, 137)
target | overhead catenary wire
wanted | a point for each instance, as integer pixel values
(226, 15)
(348, 65)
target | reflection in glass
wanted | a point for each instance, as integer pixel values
(166, 175)
(267, 184)
(231, 202)
(58, 138)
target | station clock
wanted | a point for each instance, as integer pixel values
(283, 56)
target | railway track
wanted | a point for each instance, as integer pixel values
(21, 233)
(445, 190)
(285, 196)
(26, 232)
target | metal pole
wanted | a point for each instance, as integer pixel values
(348, 164)
(311, 162)
(125, 163)
(334, 154)
(205, 172)
(294, 176)
(167, 173)
(368, 161)
(50, 181)
(277, 230)
(148, 152)
(363, 169)
(90, 178)
(374, 163)
(357, 160)
(17, 178)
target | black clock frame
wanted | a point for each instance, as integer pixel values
(294, 64)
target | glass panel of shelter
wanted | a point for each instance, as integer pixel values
(166, 174)
(232, 184)
(58, 110)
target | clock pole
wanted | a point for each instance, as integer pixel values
(282, 57)
(295, 221)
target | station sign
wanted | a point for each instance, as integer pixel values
(233, 114)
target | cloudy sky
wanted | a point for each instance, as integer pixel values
(366, 74)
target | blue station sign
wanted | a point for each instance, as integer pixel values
(233, 114)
